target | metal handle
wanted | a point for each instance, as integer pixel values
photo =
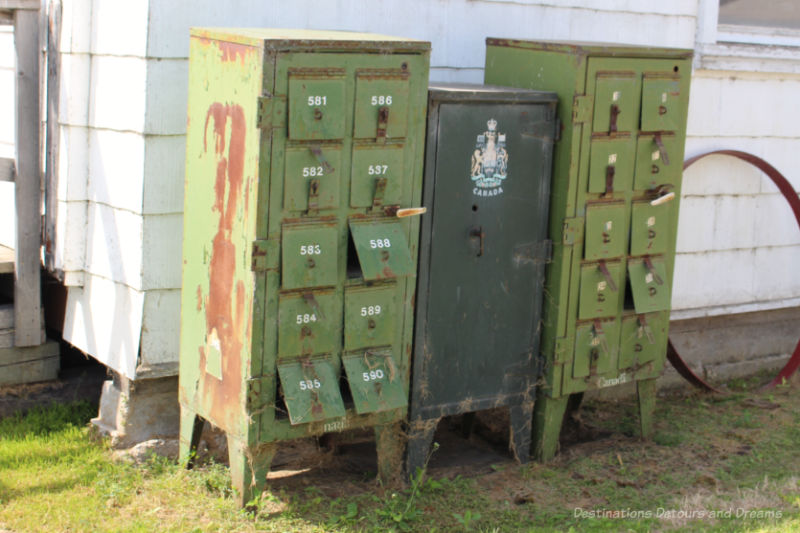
(663, 199)
(606, 274)
(402, 212)
(478, 233)
(661, 148)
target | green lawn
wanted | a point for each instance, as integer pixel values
(716, 464)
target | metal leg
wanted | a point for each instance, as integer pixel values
(420, 438)
(249, 467)
(646, 391)
(191, 430)
(389, 444)
(520, 439)
(548, 416)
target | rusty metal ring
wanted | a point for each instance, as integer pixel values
(789, 193)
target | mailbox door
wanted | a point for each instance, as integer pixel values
(606, 230)
(657, 165)
(381, 105)
(596, 348)
(369, 316)
(616, 102)
(649, 284)
(485, 271)
(311, 178)
(643, 339)
(316, 105)
(376, 176)
(611, 163)
(309, 323)
(601, 289)
(650, 228)
(661, 101)
(310, 255)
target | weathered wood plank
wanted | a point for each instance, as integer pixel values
(27, 290)
(27, 365)
(6, 260)
(6, 169)
(7, 338)
(51, 20)
(20, 4)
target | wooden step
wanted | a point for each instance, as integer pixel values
(6, 260)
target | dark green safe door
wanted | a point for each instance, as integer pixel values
(482, 254)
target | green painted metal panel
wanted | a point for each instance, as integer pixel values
(371, 166)
(649, 284)
(616, 101)
(650, 228)
(375, 381)
(606, 230)
(611, 165)
(596, 348)
(643, 339)
(317, 105)
(310, 255)
(311, 390)
(270, 150)
(652, 170)
(311, 179)
(484, 248)
(381, 105)
(309, 323)
(369, 316)
(601, 289)
(382, 249)
(661, 101)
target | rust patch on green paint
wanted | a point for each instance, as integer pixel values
(220, 316)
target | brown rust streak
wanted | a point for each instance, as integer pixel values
(221, 315)
(233, 51)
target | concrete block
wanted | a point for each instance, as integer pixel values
(162, 246)
(73, 163)
(118, 93)
(136, 411)
(104, 319)
(164, 165)
(167, 87)
(119, 28)
(116, 169)
(114, 244)
(160, 333)
(29, 364)
(75, 74)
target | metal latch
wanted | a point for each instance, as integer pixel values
(266, 254)
(581, 109)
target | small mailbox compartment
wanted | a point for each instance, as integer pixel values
(376, 176)
(652, 168)
(596, 348)
(611, 164)
(316, 105)
(606, 230)
(616, 102)
(375, 381)
(643, 338)
(369, 316)
(648, 277)
(382, 249)
(309, 257)
(311, 390)
(309, 323)
(601, 289)
(311, 179)
(661, 101)
(650, 226)
(381, 105)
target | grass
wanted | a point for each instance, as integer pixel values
(715, 464)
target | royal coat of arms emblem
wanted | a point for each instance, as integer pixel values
(489, 161)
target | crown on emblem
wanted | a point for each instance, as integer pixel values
(492, 124)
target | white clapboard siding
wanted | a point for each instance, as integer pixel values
(161, 321)
(162, 245)
(105, 320)
(164, 174)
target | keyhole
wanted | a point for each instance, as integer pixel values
(652, 291)
(371, 324)
(311, 263)
(474, 207)
(637, 347)
(317, 114)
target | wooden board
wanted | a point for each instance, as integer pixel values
(6, 260)
(6, 169)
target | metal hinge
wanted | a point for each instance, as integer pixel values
(265, 255)
(557, 133)
(256, 389)
(537, 252)
(562, 350)
(572, 230)
(264, 112)
(581, 108)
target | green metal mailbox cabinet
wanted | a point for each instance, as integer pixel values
(613, 214)
(482, 255)
(303, 151)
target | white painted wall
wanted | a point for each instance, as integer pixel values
(124, 72)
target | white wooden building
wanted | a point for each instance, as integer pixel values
(123, 83)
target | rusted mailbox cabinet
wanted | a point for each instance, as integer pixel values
(303, 148)
(613, 214)
(482, 255)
